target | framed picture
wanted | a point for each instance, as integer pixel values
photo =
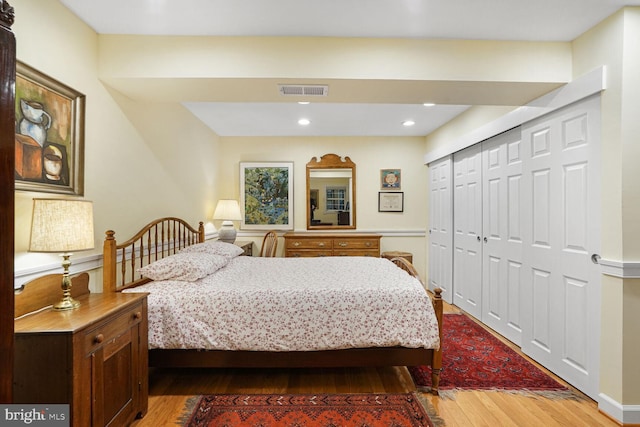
(391, 202)
(266, 195)
(390, 179)
(49, 134)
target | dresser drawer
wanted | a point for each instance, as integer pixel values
(347, 243)
(111, 329)
(357, 252)
(310, 243)
(331, 244)
(307, 253)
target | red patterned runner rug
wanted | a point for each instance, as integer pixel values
(309, 410)
(474, 359)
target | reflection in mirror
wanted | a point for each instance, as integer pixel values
(331, 193)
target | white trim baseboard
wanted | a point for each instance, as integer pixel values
(78, 264)
(624, 414)
(384, 233)
(621, 269)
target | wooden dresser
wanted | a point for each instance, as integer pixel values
(93, 358)
(301, 244)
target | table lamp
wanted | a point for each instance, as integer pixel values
(227, 211)
(62, 226)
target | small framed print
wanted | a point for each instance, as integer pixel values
(390, 179)
(391, 202)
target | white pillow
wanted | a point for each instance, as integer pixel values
(215, 247)
(187, 267)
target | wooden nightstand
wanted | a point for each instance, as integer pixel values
(247, 247)
(93, 358)
(398, 254)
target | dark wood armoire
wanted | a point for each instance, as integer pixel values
(7, 203)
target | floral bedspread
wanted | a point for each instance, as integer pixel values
(293, 304)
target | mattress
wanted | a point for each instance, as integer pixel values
(293, 304)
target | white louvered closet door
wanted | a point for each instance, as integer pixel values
(502, 234)
(467, 230)
(561, 288)
(440, 228)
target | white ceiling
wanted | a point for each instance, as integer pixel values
(535, 20)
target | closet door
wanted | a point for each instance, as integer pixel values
(440, 228)
(467, 226)
(502, 234)
(561, 287)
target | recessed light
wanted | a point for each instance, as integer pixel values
(408, 123)
(428, 104)
(304, 122)
(304, 102)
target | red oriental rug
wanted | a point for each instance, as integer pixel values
(309, 410)
(474, 359)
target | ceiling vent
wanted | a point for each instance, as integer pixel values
(303, 90)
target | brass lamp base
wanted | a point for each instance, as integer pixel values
(67, 303)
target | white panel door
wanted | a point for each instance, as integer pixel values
(440, 228)
(467, 230)
(502, 234)
(561, 285)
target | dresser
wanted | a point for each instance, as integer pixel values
(93, 358)
(301, 244)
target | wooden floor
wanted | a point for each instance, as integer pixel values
(171, 388)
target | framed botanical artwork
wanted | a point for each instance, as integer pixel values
(49, 134)
(266, 195)
(390, 179)
(390, 202)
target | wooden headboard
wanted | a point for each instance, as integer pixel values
(156, 240)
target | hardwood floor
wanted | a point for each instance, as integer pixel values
(170, 389)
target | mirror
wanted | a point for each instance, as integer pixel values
(331, 189)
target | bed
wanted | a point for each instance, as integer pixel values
(211, 307)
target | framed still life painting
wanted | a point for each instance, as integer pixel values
(266, 195)
(49, 134)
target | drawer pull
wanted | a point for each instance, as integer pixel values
(137, 315)
(343, 244)
(296, 244)
(368, 244)
(98, 339)
(321, 244)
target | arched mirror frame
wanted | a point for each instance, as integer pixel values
(332, 161)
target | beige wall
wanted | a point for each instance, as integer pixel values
(358, 70)
(615, 43)
(148, 157)
(141, 160)
(370, 154)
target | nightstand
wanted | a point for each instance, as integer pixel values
(93, 358)
(398, 254)
(247, 247)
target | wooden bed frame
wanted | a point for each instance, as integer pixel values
(167, 236)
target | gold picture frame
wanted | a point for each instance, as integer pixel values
(49, 134)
